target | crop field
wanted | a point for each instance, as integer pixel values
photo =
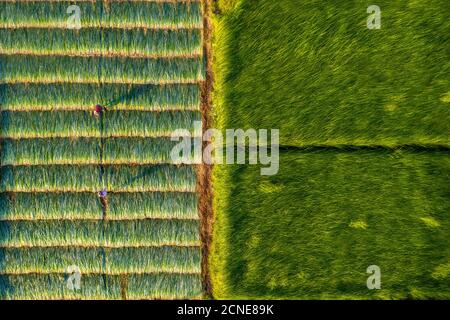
(92, 90)
(99, 190)
(364, 150)
(311, 231)
(325, 79)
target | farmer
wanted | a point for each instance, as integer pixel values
(103, 193)
(98, 110)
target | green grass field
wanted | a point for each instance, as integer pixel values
(364, 161)
(114, 42)
(143, 61)
(314, 70)
(312, 230)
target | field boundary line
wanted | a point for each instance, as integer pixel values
(203, 171)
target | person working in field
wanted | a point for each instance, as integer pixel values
(98, 110)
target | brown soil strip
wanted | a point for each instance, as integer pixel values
(124, 286)
(204, 171)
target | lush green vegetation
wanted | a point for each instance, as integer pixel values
(312, 230)
(142, 61)
(69, 96)
(134, 42)
(50, 69)
(121, 206)
(111, 14)
(92, 260)
(87, 151)
(49, 124)
(89, 178)
(115, 233)
(158, 286)
(313, 70)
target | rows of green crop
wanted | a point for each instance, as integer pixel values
(113, 14)
(39, 206)
(58, 151)
(134, 42)
(88, 178)
(142, 61)
(99, 260)
(114, 96)
(153, 205)
(121, 206)
(47, 124)
(51, 69)
(54, 286)
(87, 151)
(106, 233)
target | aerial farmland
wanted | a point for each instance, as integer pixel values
(86, 174)
(224, 150)
(360, 94)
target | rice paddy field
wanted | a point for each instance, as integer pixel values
(364, 150)
(142, 63)
(87, 178)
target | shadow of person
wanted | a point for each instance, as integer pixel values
(5, 198)
(127, 98)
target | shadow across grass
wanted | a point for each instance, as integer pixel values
(5, 199)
